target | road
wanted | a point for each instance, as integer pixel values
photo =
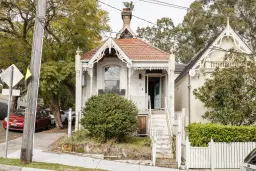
(12, 134)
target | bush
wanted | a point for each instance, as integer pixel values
(200, 134)
(109, 116)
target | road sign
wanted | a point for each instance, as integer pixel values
(6, 75)
(6, 92)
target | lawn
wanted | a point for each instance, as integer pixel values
(40, 165)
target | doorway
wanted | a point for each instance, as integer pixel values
(154, 91)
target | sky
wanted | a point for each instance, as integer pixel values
(147, 11)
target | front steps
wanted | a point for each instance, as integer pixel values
(160, 131)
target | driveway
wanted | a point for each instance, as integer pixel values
(12, 134)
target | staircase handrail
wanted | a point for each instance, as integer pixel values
(168, 120)
(151, 132)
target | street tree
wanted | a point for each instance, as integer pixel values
(68, 25)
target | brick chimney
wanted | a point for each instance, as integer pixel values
(126, 31)
(126, 16)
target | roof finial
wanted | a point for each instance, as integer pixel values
(228, 22)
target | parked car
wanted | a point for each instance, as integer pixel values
(249, 163)
(16, 120)
(63, 116)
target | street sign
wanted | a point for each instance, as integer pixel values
(6, 75)
(6, 92)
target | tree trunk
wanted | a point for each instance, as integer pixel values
(14, 103)
(56, 111)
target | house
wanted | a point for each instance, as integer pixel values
(200, 68)
(132, 68)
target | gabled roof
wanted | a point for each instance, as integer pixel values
(135, 49)
(227, 31)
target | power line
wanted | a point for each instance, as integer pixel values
(132, 15)
(165, 4)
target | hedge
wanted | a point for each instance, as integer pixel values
(200, 134)
(110, 116)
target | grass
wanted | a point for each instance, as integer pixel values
(40, 165)
(133, 148)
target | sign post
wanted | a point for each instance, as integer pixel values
(8, 112)
(11, 76)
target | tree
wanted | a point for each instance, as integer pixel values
(129, 5)
(205, 20)
(161, 36)
(230, 94)
(68, 25)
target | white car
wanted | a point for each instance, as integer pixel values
(63, 117)
(249, 163)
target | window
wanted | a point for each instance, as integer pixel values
(112, 78)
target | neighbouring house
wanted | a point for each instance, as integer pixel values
(200, 68)
(134, 69)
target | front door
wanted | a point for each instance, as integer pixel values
(157, 96)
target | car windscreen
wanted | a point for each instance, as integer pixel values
(250, 155)
(20, 112)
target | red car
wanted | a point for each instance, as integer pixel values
(16, 120)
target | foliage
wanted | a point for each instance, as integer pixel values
(41, 165)
(109, 116)
(161, 36)
(129, 5)
(204, 21)
(230, 94)
(200, 134)
(68, 25)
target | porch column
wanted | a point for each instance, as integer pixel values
(78, 66)
(171, 87)
(91, 81)
(129, 83)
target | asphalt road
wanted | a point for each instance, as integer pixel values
(12, 134)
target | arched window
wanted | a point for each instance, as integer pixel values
(112, 78)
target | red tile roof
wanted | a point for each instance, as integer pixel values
(135, 49)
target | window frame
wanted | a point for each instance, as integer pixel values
(104, 78)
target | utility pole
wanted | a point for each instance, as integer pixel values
(33, 85)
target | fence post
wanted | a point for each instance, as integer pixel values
(212, 151)
(187, 153)
(178, 142)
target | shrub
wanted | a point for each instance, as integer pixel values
(109, 116)
(200, 134)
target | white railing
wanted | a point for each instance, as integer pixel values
(218, 155)
(168, 119)
(220, 64)
(151, 133)
(179, 130)
(140, 101)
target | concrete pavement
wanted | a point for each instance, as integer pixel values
(86, 162)
(42, 141)
(16, 168)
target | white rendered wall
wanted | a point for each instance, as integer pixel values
(137, 92)
(181, 95)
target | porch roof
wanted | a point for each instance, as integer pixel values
(135, 49)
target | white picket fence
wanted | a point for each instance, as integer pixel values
(217, 155)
